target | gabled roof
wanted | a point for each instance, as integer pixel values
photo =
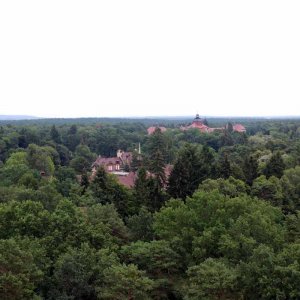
(151, 129)
(127, 180)
(239, 128)
(104, 161)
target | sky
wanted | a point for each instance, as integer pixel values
(128, 58)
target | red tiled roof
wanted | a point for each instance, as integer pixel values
(215, 129)
(151, 129)
(239, 128)
(127, 180)
(104, 161)
(125, 158)
(198, 124)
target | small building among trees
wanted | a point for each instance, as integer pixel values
(202, 125)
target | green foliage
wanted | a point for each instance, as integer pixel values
(291, 188)
(268, 189)
(212, 225)
(140, 225)
(271, 276)
(212, 279)
(125, 282)
(17, 171)
(106, 189)
(141, 192)
(64, 238)
(22, 266)
(65, 179)
(40, 158)
(293, 227)
(108, 215)
(156, 257)
(231, 187)
(79, 272)
(190, 169)
(250, 169)
(159, 260)
(27, 218)
(54, 134)
(275, 166)
(224, 167)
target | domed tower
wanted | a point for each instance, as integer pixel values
(198, 121)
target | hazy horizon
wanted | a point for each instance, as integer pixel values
(70, 59)
(167, 117)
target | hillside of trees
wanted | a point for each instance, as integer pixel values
(224, 225)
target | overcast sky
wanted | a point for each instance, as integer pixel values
(149, 58)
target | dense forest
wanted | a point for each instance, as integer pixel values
(224, 224)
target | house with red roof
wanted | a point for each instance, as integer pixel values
(114, 164)
(151, 129)
(198, 123)
(117, 166)
(239, 128)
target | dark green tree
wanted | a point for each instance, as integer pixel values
(157, 142)
(22, 268)
(55, 135)
(250, 168)
(224, 167)
(275, 166)
(186, 173)
(106, 189)
(268, 189)
(212, 279)
(125, 282)
(84, 182)
(140, 226)
(141, 192)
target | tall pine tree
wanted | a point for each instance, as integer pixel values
(183, 179)
(250, 169)
(275, 166)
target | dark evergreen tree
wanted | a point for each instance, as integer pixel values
(136, 161)
(106, 189)
(84, 182)
(229, 127)
(186, 174)
(72, 139)
(157, 194)
(226, 139)
(250, 168)
(207, 163)
(100, 187)
(275, 166)
(157, 142)
(141, 225)
(141, 192)
(224, 167)
(157, 167)
(55, 136)
(73, 129)
(64, 154)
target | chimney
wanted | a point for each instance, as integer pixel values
(119, 153)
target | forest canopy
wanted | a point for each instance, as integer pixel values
(209, 216)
